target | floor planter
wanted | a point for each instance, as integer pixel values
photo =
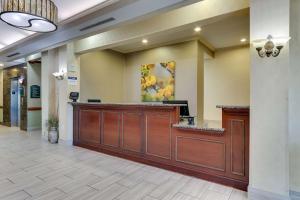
(53, 135)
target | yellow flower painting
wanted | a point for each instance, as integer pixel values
(158, 81)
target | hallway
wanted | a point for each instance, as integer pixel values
(31, 168)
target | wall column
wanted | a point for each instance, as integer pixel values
(294, 99)
(71, 64)
(269, 152)
(48, 91)
(55, 93)
(200, 82)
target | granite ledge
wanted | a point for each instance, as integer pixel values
(232, 107)
(128, 104)
(217, 131)
(211, 127)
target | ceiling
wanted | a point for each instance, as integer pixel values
(85, 21)
(224, 33)
(67, 9)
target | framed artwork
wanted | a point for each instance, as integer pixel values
(158, 81)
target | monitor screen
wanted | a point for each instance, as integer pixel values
(184, 110)
(74, 96)
(94, 100)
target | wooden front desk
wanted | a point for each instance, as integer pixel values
(145, 133)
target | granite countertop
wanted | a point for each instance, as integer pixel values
(233, 107)
(206, 126)
(128, 104)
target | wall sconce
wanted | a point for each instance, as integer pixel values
(60, 75)
(270, 46)
(21, 80)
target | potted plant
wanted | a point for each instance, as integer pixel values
(52, 124)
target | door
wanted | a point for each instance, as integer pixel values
(14, 102)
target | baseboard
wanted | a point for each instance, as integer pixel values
(295, 195)
(256, 194)
(34, 128)
(66, 142)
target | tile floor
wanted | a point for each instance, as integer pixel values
(31, 168)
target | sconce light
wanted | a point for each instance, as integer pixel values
(21, 80)
(270, 46)
(60, 75)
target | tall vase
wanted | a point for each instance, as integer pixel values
(53, 135)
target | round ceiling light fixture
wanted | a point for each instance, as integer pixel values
(31, 15)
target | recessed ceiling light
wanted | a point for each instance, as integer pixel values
(243, 40)
(1, 65)
(145, 41)
(197, 29)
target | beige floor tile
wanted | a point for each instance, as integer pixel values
(181, 196)
(168, 189)
(32, 168)
(238, 195)
(106, 182)
(20, 195)
(138, 192)
(109, 193)
(213, 195)
(195, 187)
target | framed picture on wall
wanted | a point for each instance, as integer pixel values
(158, 81)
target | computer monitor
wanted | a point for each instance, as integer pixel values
(94, 100)
(184, 109)
(74, 96)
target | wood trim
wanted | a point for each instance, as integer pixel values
(231, 147)
(196, 164)
(34, 108)
(80, 135)
(119, 114)
(168, 115)
(140, 115)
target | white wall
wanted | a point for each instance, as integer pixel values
(34, 118)
(227, 80)
(269, 165)
(294, 97)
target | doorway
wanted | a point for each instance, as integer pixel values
(14, 103)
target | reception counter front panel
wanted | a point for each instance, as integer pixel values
(152, 134)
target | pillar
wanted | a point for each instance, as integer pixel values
(269, 152)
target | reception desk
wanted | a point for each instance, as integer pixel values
(153, 134)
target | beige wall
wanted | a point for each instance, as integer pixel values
(114, 77)
(227, 80)
(101, 75)
(185, 55)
